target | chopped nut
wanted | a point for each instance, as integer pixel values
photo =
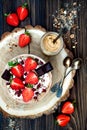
(72, 36)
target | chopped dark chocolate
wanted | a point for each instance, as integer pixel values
(6, 75)
(44, 69)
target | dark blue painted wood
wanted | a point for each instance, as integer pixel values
(1, 17)
(1, 121)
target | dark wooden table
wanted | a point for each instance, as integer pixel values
(40, 14)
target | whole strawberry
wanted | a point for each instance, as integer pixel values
(24, 39)
(12, 19)
(22, 11)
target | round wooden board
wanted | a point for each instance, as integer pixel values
(8, 49)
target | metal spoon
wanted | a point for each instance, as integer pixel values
(57, 87)
(76, 64)
(64, 31)
(56, 38)
(67, 62)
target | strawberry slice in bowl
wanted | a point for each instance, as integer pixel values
(17, 70)
(27, 94)
(31, 78)
(17, 84)
(30, 64)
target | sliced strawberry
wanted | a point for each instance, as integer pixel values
(63, 120)
(30, 64)
(27, 94)
(22, 11)
(17, 70)
(17, 84)
(68, 108)
(31, 78)
(24, 39)
(12, 19)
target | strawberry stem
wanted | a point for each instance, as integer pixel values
(29, 86)
(11, 77)
(12, 64)
(74, 103)
(25, 5)
(5, 14)
(27, 33)
(56, 122)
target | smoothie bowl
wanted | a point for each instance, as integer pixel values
(23, 79)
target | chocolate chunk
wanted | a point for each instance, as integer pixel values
(6, 75)
(44, 69)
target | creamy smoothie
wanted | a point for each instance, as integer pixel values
(48, 46)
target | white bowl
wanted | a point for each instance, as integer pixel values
(47, 81)
(48, 47)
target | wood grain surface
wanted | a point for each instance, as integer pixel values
(40, 14)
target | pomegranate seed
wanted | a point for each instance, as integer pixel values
(39, 85)
(44, 90)
(35, 97)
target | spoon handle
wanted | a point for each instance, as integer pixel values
(57, 38)
(60, 88)
(63, 78)
(69, 72)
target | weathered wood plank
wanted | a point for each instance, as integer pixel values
(40, 13)
(1, 17)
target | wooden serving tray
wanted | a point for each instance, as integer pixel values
(8, 49)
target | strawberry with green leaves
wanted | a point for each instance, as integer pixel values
(12, 19)
(63, 120)
(22, 11)
(17, 70)
(24, 39)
